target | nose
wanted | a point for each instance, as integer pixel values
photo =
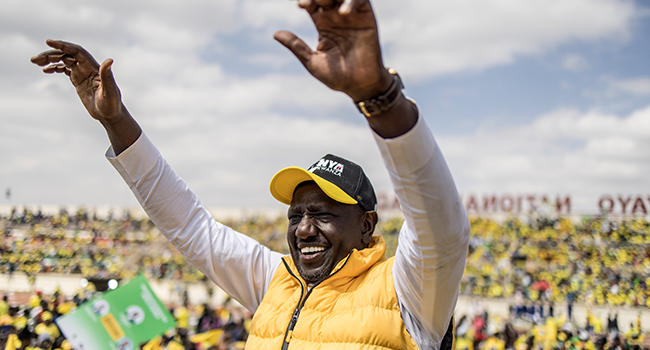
(306, 228)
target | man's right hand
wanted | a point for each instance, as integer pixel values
(96, 89)
(94, 83)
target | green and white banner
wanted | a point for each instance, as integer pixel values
(121, 319)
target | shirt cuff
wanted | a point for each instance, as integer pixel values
(136, 161)
(411, 150)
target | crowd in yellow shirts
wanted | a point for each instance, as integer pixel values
(79, 243)
(120, 248)
(32, 326)
(116, 247)
(479, 331)
(596, 261)
(534, 261)
(540, 262)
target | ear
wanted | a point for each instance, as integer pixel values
(369, 223)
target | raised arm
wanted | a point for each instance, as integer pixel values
(237, 263)
(432, 249)
(95, 87)
(348, 59)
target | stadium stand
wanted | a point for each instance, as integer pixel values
(536, 265)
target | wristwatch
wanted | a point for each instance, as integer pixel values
(385, 101)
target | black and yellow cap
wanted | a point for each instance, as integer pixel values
(339, 178)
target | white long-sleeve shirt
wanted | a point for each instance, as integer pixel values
(429, 260)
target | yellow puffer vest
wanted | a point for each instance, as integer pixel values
(354, 308)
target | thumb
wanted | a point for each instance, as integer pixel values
(109, 86)
(295, 45)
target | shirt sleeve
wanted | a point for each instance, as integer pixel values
(432, 246)
(238, 264)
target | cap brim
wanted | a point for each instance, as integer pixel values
(284, 183)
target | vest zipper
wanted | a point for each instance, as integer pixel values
(294, 317)
(301, 303)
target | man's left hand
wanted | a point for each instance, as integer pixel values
(348, 56)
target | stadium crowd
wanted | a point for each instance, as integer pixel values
(527, 328)
(33, 326)
(535, 264)
(595, 262)
(121, 248)
(83, 244)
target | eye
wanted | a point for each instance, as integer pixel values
(294, 219)
(323, 216)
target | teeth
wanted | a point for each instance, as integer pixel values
(308, 250)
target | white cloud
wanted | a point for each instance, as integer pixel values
(575, 63)
(204, 115)
(155, 33)
(432, 37)
(635, 86)
(616, 146)
(424, 37)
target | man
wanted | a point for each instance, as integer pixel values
(337, 290)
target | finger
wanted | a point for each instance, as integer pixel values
(79, 53)
(55, 68)
(66, 47)
(47, 57)
(109, 86)
(348, 5)
(69, 61)
(325, 3)
(310, 5)
(295, 45)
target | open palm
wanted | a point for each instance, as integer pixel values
(348, 56)
(94, 83)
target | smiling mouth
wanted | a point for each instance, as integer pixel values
(311, 250)
(312, 253)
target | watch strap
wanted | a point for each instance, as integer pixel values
(385, 101)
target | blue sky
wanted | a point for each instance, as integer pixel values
(539, 97)
(577, 75)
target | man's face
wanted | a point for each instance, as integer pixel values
(322, 231)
